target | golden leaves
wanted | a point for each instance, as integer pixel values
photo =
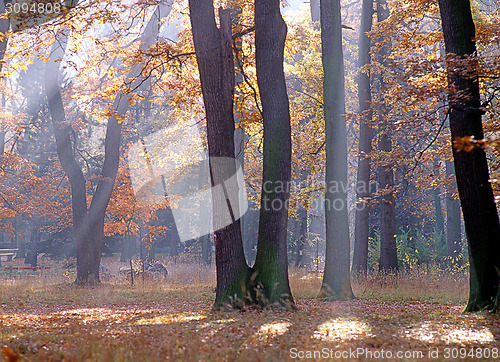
(468, 143)
(174, 321)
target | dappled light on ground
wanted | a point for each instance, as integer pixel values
(169, 318)
(342, 329)
(274, 329)
(446, 333)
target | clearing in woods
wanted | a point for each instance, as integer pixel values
(415, 316)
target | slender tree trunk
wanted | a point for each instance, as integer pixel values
(336, 279)
(18, 237)
(476, 196)
(388, 252)
(216, 67)
(128, 248)
(271, 263)
(453, 229)
(35, 238)
(438, 214)
(301, 236)
(362, 224)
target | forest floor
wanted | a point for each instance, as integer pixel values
(416, 316)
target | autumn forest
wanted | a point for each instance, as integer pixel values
(249, 180)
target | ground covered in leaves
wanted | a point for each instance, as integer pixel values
(45, 321)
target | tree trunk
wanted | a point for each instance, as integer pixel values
(438, 214)
(18, 236)
(128, 248)
(206, 250)
(315, 13)
(35, 238)
(336, 279)
(388, 251)
(476, 196)
(88, 222)
(453, 229)
(362, 224)
(215, 64)
(4, 28)
(301, 236)
(271, 262)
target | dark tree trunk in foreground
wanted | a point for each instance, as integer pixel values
(88, 222)
(453, 227)
(215, 63)
(336, 280)
(271, 263)
(360, 260)
(388, 252)
(476, 196)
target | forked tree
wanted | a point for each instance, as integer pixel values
(88, 221)
(268, 282)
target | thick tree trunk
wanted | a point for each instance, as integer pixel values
(336, 280)
(476, 196)
(88, 222)
(215, 64)
(388, 252)
(362, 224)
(453, 227)
(271, 263)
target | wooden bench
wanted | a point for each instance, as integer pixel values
(7, 252)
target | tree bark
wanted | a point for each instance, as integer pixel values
(388, 251)
(360, 259)
(271, 263)
(215, 64)
(336, 279)
(476, 196)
